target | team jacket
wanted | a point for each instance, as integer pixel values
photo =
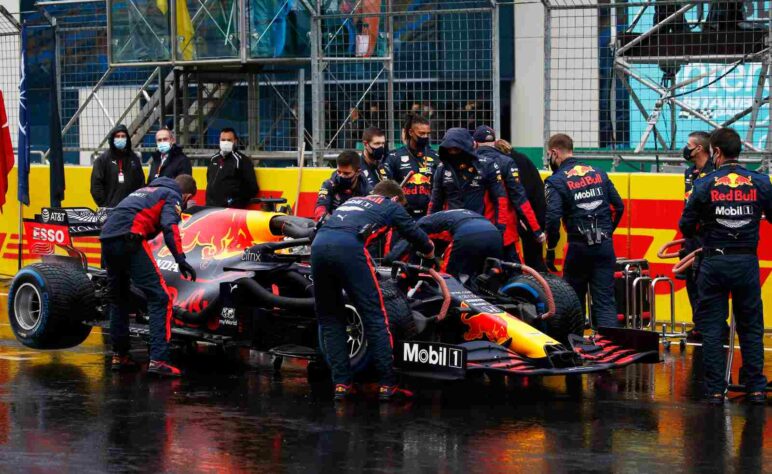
(331, 195)
(442, 227)
(473, 184)
(692, 174)
(581, 196)
(725, 208)
(106, 186)
(518, 206)
(373, 173)
(230, 180)
(369, 217)
(174, 164)
(148, 211)
(418, 188)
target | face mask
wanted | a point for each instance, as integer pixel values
(553, 164)
(421, 143)
(687, 153)
(164, 147)
(120, 143)
(346, 183)
(226, 147)
(378, 153)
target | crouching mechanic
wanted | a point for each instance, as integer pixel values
(340, 262)
(591, 209)
(467, 239)
(137, 219)
(724, 211)
(346, 182)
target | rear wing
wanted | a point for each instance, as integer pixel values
(56, 226)
(80, 221)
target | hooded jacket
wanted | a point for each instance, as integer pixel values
(174, 164)
(467, 182)
(106, 186)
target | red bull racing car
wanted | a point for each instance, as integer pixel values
(254, 290)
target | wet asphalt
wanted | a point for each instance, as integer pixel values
(64, 411)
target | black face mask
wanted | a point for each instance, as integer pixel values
(553, 164)
(687, 152)
(379, 153)
(421, 143)
(346, 183)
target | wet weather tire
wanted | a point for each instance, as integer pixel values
(568, 318)
(47, 305)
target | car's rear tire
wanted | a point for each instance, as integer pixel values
(47, 305)
(401, 326)
(568, 318)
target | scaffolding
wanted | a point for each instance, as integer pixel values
(631, 80)
(289, 75)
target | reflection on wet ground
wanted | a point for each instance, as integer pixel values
(66, 410)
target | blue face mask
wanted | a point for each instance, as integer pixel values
(120, 143)
(164, 147)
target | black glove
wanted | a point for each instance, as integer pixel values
(550, 260)
(186, 270)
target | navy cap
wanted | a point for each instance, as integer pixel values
(484, 134)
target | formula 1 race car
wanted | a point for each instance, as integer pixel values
(254, 290)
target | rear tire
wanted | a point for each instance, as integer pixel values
(47, 305)
(568, 318)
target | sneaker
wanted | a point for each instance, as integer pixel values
(388, 393)
(756, 398)
(343, 391)
(164, 369)
(715, 399)
(123, 363)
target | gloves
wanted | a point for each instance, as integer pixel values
(550, 260)
(540, 237)
(186, 270)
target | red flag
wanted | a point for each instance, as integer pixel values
(6, 152)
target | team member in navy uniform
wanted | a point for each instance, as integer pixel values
(230, 176)
(467, 239)
(374, 140)
(464, 181)
(416, 157)
(724, 210)
(346, 182)
(340, 262)
(168, 160)
(697, 152)
(137, 219)
(591, 209)
(518, 208)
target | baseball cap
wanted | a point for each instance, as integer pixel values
(484, 134)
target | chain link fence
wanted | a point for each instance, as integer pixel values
(631, 80)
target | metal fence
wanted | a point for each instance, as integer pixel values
(313, 72)
(631, 80)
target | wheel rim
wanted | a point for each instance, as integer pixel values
(355, 332)
(27, 305)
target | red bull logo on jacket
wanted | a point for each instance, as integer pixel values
(581, 176)
(733, 180)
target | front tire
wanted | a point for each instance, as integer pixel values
(47, 305)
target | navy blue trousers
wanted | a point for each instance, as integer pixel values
(339, 262)
(593, 265)
(132, 261)
(469, 249)
(719, 277)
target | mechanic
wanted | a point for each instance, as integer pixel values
(168, 160)
(724, 211)
(346, 182)
(125, 235)
(466, 237)
(413, 165)
(696, 152)
(375, 150)
(590, 207)
(341, 262)
(518, 206)
(230, 176)
(464, 181)
(117, 172)
(529, 177)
